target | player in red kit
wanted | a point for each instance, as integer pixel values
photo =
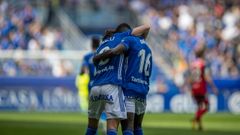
(199, 78)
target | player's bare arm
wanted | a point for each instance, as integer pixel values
(141, 30)
(119, 49)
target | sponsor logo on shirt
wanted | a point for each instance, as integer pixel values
(138, 80)
(105, 69)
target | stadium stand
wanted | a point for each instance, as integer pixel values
(29, 27)
(178, 27)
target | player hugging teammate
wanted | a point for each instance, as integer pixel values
(123, 65)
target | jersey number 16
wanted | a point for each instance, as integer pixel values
(145, 62)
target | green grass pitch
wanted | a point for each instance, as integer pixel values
(15, 123)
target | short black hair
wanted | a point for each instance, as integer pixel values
(95, 42)
(122, 27)
(108, 33)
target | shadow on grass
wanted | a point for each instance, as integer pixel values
(58, 128)
(41, 128)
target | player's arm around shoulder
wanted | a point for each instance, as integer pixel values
(119, 49)
(141, 30)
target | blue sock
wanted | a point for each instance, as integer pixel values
(111, 132)
(138, 131)
(91, 131)
(128, 132)
(103, 116)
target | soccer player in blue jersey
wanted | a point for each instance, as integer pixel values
(88, 68)
(87, 60)
(106, 93)
(85, 77)
(136, 80)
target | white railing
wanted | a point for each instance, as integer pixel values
(74, 38)
(42, 54)
(40, 62)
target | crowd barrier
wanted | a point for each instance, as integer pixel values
(60, 94)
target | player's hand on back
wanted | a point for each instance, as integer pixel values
(95, 60)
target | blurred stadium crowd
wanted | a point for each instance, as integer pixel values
(179, 26)
(182, 26)
(22, 29)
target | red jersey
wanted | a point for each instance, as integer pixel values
(199, 84)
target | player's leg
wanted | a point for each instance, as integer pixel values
(115, 108)
(202, 105)
(112, 126)
(95, 109)
(204, 108)
(128, 124)
(138, 124)
(92, 126)
(103, 123)
(198, 103)
(198, 115)
(138, 119)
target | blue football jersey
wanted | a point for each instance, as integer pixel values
(138, 66)
(87, 61)
(110, 71)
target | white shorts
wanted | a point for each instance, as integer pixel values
(108, 98)
(135, 105)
